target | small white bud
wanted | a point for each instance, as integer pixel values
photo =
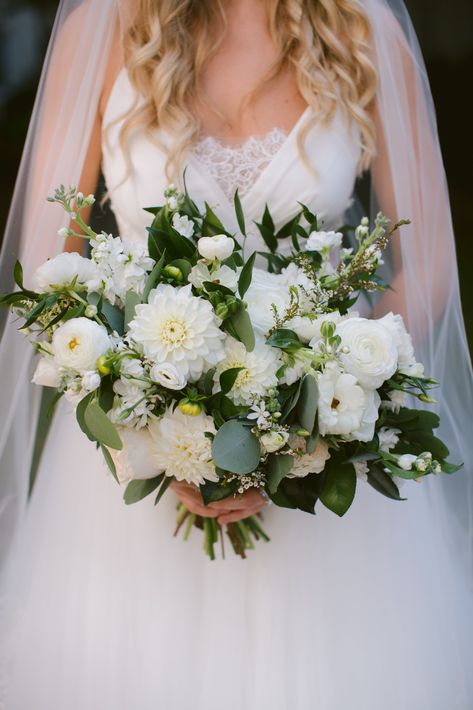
(365, 222)
(90, 311)
(64, 232)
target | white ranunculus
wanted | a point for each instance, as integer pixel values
(372, 356)
(78, 344)
(274, 440)
(181, 447)
(342, 401)
(217, 247)
(91, 380)
(167, 375)
(308, 463)
(183, 225)
(179, 328)
(388, 438)
(365, 432)
(402, 339)
(223, 275)
(406, 461)
(135, 459)
(61, 270)
(266, 290)
(323, 241)
(46, 373)
(258, 372)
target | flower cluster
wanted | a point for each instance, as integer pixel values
(185, 362)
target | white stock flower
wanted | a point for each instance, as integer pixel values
(388, 438)
(177, 327)
(168, 375)
(372, 356)
(416, 369)
(78, 343)
(183, 225)
(91, 380)
(62, 269)
(406, 461)
(323, 241)
(217, 247)
(266, 289)
(397, 399)
(308, 463)
(342, 401)
(135, 459)
(273, 440)
(181, 448)
(223, 275)
(361, 469)
(47, 372)
(258, 373)
(402, 339)
(297, 364)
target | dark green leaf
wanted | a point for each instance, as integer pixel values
(284, 338)
(244, 280)
(228, 378)
(212, 492)
(308, 403)
(450, 467)
(383, 483)
(18, 274)
(291, 401)
(239, 213)
(235, 448)
(153, 277)
(140, 488)
(239, 325)
(268, 236)
(100, 426)
(208, 381)
(164, 486)
(80, 411)
(339, 486)
(278, 466)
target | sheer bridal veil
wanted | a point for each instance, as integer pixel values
(410, 183)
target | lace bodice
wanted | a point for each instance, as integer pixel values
(269, 170)
(239, 166)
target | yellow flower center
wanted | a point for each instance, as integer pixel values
(173, 332)
(242, 377)
(73, 343)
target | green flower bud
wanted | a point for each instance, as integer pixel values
(173, 272)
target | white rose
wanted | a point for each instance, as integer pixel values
(372, 356)
(183, 225)
(402, 339)
(323, 241)
(274, 440)
(342, 402)
(406, 461)
(167, 375)
(91, 380)
(265, 290)
(217, 247)
(388, 438)
(78, 344)
(46, 373)
(61, 270)
(135, 459)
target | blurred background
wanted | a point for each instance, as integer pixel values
(445, 32)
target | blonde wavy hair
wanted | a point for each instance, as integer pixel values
(327, 42)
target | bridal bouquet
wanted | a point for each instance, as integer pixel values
(186, 362)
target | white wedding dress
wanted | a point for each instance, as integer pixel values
(109, 612)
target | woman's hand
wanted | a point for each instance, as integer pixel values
(229, 510)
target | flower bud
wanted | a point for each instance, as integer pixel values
(173, 272)
(90, 311)
(64, 232)
(192, 409)
(103, 365)
(221, 310)
(218, 247)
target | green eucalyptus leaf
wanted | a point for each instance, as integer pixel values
(100, 426)
(110, 462)
(80, 412)
(132, 299)
(115, 317)
(308, 403)
(278, 466)
(235, 448)
(239, 325)
(140, 488)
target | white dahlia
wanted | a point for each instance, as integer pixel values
(258, 373)
(181, 448)
(179, 328)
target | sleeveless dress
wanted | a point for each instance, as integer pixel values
(110, 612)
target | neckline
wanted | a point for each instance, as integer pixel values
(277, 157)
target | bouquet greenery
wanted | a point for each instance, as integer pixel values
(186, 362)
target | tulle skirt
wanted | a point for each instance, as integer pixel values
(105, 610)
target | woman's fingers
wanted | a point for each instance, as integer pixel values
(250, 497)
(227, 511)
(237, 515)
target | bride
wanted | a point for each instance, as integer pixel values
(286, 100)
